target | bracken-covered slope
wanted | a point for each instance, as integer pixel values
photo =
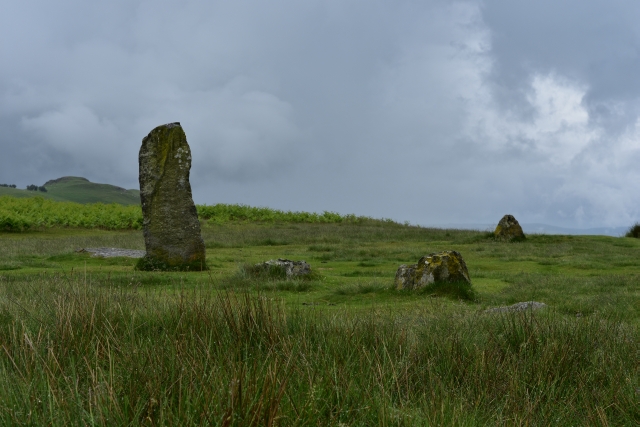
(80, 190)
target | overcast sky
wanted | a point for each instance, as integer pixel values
(427, 111)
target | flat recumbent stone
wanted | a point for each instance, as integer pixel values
(170, 220)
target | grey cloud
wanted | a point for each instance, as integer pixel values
(430, 111)
(594, 42)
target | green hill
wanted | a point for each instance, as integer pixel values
(79, 190)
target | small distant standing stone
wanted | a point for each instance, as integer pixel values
(446, 266)
(170, 220)
(509, 228)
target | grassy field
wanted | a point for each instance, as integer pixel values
(21, 214)
(89, 341)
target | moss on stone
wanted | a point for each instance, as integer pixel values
(509, 229)
(446, 266)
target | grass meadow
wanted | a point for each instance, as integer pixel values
(89, 341)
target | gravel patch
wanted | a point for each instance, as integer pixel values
(113, 252)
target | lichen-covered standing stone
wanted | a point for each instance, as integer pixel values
(170, 220)
(446, 266)
(509, 228)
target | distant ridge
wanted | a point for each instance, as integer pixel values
(80, 190)
(65, 179)
(536, 228)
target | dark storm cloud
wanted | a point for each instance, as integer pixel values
(428, 111)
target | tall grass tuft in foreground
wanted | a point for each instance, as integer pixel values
(73, 353)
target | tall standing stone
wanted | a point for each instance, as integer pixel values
(170, 220)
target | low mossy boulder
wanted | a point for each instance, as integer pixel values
(290, 269)
(509, 229)
(446, 266)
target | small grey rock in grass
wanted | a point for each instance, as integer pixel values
(113, 252)
(170, 221)
(519, 306)
(446, 266)
(292, 268)
(509, 228)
